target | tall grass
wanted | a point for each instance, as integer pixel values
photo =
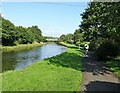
(19, 47)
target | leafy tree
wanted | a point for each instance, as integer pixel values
(70, 38)
(8, 31)
(63, 38)
(67, 38)
(12, 35)
(101, 22)
(78, 36)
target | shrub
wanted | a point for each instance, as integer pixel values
(93, 46)
(107, 50)
(82, 44)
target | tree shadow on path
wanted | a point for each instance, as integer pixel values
(96, 76)
(103, 86)
(90, 64)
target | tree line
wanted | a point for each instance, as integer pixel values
(100, 27)
(13, 35)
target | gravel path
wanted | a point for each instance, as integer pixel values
(97, 77)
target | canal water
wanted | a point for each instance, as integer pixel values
(22, 59)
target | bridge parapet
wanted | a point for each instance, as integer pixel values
(52, 39)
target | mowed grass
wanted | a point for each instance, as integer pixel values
(59, 73)
(114, 65)
(68, 45)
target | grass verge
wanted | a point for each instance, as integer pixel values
(19, 47)
(58, 73)
(67, 45)
(114, 65)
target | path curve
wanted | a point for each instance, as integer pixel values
(97, 77)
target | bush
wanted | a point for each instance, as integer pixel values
(93, 46)
(82, 44)
(107, 50)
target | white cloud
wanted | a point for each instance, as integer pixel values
(2, 15)
(51, 31)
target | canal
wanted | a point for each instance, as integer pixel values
(22, 59)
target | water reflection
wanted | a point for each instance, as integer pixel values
(21, 59)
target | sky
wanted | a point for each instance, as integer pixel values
(53, 18)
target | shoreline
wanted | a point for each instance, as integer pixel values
(20, 47)
(67, 45)
(49, 72)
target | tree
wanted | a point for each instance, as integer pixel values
(12, 35)
(101, 23)
(69, 38)
(63, 38)
(8, 32)
(78, 36)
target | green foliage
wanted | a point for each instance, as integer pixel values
(93, 46)
(82, 44)
(114, 65)
(13, 35)
(67, 38)
(8, 32)
(59, 73)
(107, 50)
(68, 45)
(78, 37)
(100, 21)
(63, 38)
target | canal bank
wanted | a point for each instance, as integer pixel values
(20, 47)
(67, 45)
(58, 73)
(21, 59)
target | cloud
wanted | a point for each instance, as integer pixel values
(49, 31)
(2, 14)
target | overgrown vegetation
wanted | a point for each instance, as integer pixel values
(100, 24)
(20, 47)
(13, 35)
(67, 38)
(114, 65)
(59, 73)
(107, 50)
(68, 45)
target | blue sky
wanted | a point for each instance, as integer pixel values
(54, 19)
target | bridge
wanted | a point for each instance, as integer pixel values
(52, 39)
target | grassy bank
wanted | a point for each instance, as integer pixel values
(114, 65)
(19, 47)
(67, 45)
(59, 73)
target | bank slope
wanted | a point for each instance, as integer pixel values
(59, 73)
(20, 47)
